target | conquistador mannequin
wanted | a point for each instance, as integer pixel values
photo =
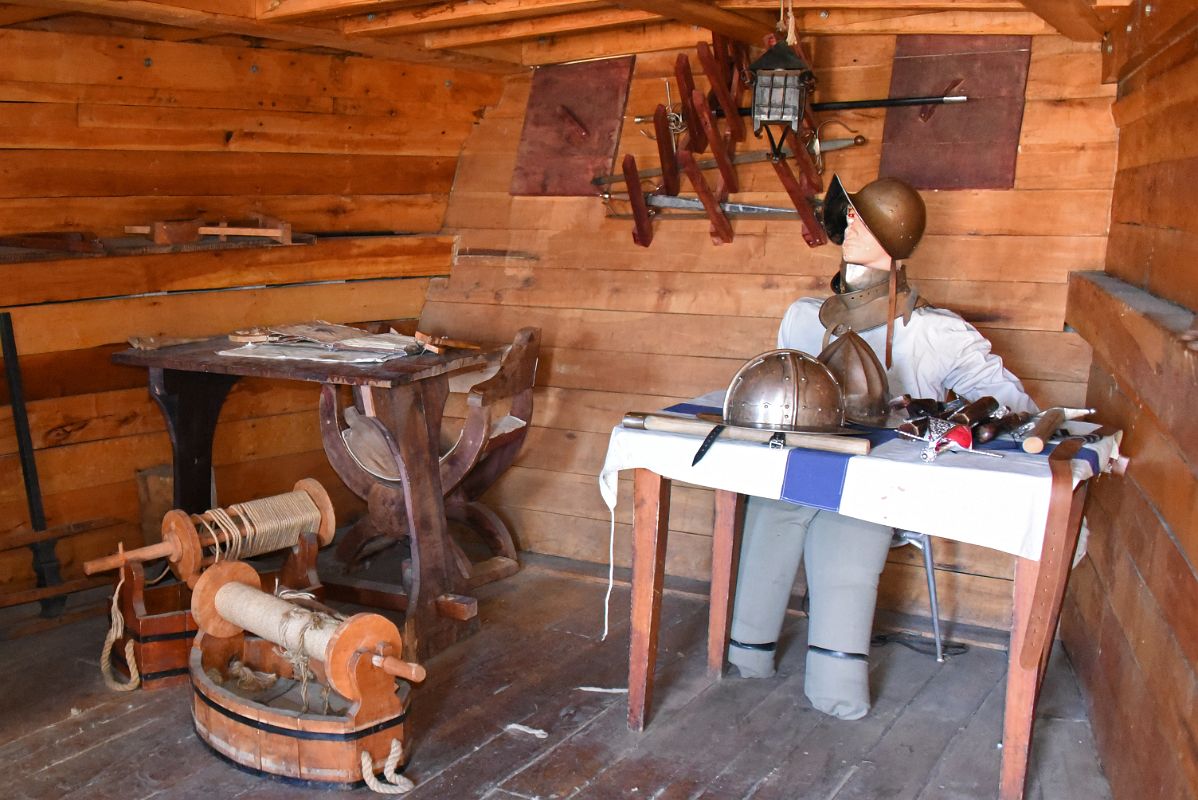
(927, 352)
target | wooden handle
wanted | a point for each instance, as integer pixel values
(1046, 425)
(851, 445)
(119, 559)
(401, 669)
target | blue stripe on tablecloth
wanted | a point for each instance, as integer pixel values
(691, 408)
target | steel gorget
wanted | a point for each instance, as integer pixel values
(867, 308)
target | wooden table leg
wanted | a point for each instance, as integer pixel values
(1039, 592)
(405, 411)
(651, 522)
(191, 403)
(725, 553)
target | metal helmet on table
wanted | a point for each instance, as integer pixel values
(784, 390)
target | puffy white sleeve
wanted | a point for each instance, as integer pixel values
(971, 370)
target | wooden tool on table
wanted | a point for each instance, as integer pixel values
(851, 445)
(333, 710)
(439, 344)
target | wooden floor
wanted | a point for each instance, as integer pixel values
(933, 733)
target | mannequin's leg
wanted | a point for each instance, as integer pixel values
(771, 549)
(844, 559)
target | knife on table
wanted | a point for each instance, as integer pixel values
(708, 441)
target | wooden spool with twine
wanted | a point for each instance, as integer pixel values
(354, 661)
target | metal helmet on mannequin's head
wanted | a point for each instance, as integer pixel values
(784, 390)
(892, 211)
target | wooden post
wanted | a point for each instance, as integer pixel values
(725, 556)
(651, 522)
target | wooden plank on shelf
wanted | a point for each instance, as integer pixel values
(327, 260)
(1137, 335)
(90, 323)
(74, 173)
(61, 126)
(310, 213)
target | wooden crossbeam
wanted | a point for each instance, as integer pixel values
(883, 5)
(14, 15)
(1075, 19)
(315, 9)
(452, 15)
(220, 23)
(734, 25)
(556, 25)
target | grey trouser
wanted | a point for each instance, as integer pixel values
(844, 558)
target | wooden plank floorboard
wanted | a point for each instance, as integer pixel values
(931, 734)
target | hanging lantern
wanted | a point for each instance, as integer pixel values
(781, 86)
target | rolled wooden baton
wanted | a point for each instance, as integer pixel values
(852, 445)
(1043, 429)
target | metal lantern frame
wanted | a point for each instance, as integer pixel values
(781, 85)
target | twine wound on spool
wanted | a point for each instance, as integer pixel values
(267, 524)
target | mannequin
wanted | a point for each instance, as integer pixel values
(928, 351)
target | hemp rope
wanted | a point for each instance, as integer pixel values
(267, 524)
(115, 631)
(399, 783)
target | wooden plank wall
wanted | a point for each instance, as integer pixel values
(99, 132)
(1129, 620)
(634, 329)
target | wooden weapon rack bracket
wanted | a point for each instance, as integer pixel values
(725, 64)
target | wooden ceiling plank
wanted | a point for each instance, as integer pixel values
(887, 5)
(1075, 19)
(14, 15)
(146, 11)
(440, 16)
(706, 15)
(292, 10)
(538, 27)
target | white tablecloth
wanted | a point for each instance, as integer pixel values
(996, 503)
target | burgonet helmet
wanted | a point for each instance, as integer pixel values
(784, 390)
(861, 378)
(892, 211)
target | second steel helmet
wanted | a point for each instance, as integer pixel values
(784, 390)
(892, 211)
(861, 377)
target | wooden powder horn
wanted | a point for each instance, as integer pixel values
(184, 538)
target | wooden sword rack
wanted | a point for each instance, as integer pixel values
(298, 691)
(152, 622)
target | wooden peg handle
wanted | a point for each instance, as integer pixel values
(407, 670)
(120, 558)
(1047, 424)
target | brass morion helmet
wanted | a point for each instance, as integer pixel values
(892, 211)
(861, 377)
(784, 390)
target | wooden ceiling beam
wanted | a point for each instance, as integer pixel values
(146, 11)
(557, 25)
(14, 15)
(1075, 19)
(883, 5)
(292, 10)
(440, 16)
(739, 27)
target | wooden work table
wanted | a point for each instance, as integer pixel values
(1039, 585)
(407, 395)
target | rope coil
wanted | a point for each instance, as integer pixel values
(398, 784)
(266, 524)
(116, 631)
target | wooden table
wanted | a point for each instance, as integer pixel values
(190, 383)
(1038, 593)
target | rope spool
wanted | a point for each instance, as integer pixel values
(228, 600)
(240, 531)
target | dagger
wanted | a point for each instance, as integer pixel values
(708, 441)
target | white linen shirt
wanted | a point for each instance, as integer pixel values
(936, 352)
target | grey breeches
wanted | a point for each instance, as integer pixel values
(843, 558)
